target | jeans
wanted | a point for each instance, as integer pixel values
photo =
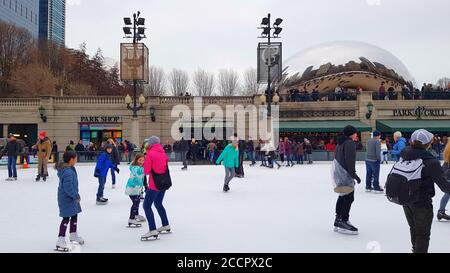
(263, 158)
(372, 174)
(309, 158)
(211, 156)
(444, 201)
(290, 159)
(384, 156)
(419, 220)
(251, 156)
(343, 206)
(184, 158)
(101, 186)
(229, 174)
(136, 199)
(12, 169)
(299, 159)
(113, 175)
(157, 198)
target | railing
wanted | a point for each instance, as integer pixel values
(19, 102)
(411, 95)
(89, 100)
(207, 100)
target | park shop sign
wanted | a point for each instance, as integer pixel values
(419, 112)
(100, 119)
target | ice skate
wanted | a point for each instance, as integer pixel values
(44, 178)
(114, 186)
(134, 223)
(184, 169)
(74, 237)
(15, 178)
(151, 235)
(140, 218)
(369, 189)
(226, 188)
(378, 190)
(61, 245)
(38, 178)
(345, 228)
(102, 201)
(9, 179)
(442, 215)
(164, 229)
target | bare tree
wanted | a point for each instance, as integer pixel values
(444, 83)
(157, 82)
(178, 82)
(204, 83)
(228, 82)
(251, 86)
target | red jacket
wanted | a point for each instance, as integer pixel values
(156, 160)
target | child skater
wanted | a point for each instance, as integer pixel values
(134, 189)
(68, 200)
(104, 164)
(230, 158)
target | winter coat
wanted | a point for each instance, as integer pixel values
(44, 148)
(229, 156)
(446, 171)
(68, 195)
(70, 147)
(168, 148)
(282, 148)
(288, 148)
(250, 146)
(79, 148)
(431, 173)
(12, 148)
(184, 145)
(398, 147)
(115, 156)
(136, 181)
(211, 146)
(155, 160)
(373, 150)
(308, 148)
(343, 168)
(104, 163)
(299, 150)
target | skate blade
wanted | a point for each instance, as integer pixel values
(152, 238)
(346, 232)
(101, 203)
(134, 226)
(165, 231)
(62, 249)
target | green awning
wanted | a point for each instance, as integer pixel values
(409, 126)
(322, 126)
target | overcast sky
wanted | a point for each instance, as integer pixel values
(215, 34)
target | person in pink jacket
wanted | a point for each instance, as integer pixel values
(156, 161)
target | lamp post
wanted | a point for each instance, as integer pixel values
(369, 110)
(135, 29)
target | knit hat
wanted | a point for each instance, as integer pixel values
(153, 140)
(107, 146)
(376, 133)
(422, 136)
(349, 130)
(43, 134)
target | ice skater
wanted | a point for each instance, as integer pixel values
(12, 150)
(44, 151)
(156, 161)
(68, 201)
(230, 158)
(104, 164)
(446, 170)
(134, 188)
(344, 174)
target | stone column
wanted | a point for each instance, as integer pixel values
(5, 130)
(135, 131)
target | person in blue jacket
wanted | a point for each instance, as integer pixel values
(104, 164)
(400, 144)
(68, 200)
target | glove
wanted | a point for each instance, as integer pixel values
(358, 180)
(117, 170)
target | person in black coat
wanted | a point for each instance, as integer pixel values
(420, 214)
(12, 150)
(344, 174)
(250, 148)
(115, 159)
(79, 148)
(241, 145)
(183, 147)
(55, 152)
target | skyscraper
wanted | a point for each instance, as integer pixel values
(52, 20)
(21, 13)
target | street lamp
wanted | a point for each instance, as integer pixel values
(152, 113)
(267, 33)
(42, 113)
(369, 110)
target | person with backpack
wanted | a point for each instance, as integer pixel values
(373, 163)
(446, 170)
(344, 174)
(411, 185)
(156, 162)
(230, 158)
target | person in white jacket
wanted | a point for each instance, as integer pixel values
(384, 152)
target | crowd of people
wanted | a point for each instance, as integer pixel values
(427, 92)
(340, 94)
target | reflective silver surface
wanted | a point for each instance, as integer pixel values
(332, 58)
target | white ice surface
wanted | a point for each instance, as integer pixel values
(286, 210)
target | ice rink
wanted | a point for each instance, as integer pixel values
(286, 210)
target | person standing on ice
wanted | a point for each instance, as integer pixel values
(12, 150)
(44, 151)
(68, 200)
(104, 164)
(373, 162)
(446, 170)
(156, 161)
(344, 174)
(134, 188)
(400, 144)
(230, 158)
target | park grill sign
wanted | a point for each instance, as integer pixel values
(419, 112)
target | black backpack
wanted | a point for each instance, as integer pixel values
(162, 181)
(403, 182)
